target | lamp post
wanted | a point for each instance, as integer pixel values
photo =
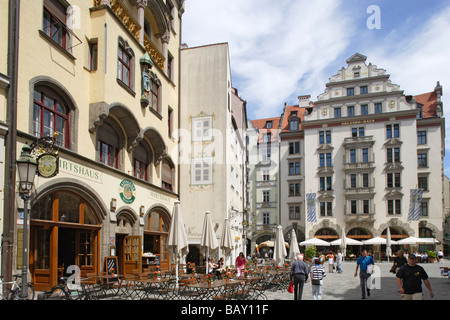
(26, 167)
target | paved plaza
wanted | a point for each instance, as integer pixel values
(344, 286)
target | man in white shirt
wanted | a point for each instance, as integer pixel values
(339, 262)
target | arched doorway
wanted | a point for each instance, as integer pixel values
(128, 242)
(155, 239)
(64, 231)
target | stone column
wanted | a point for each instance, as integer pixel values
(141, 4)
(165, 39)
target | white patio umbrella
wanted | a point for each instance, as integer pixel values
(294, 251)
(388, 243)
(280, 247)
(315, 242)
(378, 240)
(177, 243)
(415, 240)
(347, 241)
(226, 243)
(343, 244)
(208, 241)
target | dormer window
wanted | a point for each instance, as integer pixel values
(293, 124)
(269, 124)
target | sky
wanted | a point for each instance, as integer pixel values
(282, 49)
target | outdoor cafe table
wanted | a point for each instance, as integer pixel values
(208, 290)
(156, 287)
(108, 282)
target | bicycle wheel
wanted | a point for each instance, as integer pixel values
(16, 294)
(58, 292)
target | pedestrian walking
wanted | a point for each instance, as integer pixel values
(317, 274)
(440, 255)
(240, 263)
(363, 262)
(339, 262)
(330, 258)
(409, 280)
(399, 261)
(298, 276)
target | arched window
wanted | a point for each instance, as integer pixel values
(50, 115)
(109, 145)
(142, 159)
(167, 175)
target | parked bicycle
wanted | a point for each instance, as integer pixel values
(12, 290)
(70, 291)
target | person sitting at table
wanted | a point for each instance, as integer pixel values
(425, 257)
(220, 268)
(212, 266)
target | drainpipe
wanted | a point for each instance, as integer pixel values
(11, 143)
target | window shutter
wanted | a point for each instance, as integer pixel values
(57, 9)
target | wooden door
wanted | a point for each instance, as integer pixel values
(131, 253)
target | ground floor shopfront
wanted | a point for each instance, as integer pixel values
(75, 223)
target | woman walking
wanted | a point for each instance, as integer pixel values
(317, 274)
(240, 263)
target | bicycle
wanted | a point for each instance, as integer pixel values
(15, 289)
(69, 291)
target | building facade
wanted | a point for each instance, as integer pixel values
(368, 147)
(106, 91)
(212, 148)
(263, 180)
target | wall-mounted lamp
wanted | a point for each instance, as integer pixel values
(142, 211)
(113, 205)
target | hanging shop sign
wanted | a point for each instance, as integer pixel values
(48, 165)
(127, 191)
(45, 150)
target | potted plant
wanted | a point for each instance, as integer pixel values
(431, 256)
(310, 252)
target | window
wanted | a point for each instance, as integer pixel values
(124, 65)
(266, 217)
(422, 160)
(350, 111)
(109, 144)
(326, 209)
(325, 160)
(293, 124)
(170, 121)
(378, 108)
(294, 168)
(167, 175)
(392, 131)
(108, 154)
(393, 180)
(201, 171)
(265, 173)
(353, 207)
(266, 196)
(294, 189)
(363, 90)
(170, 66)
(353, 181)
(358, 132)
(365, 155)
(337, 112)
(423, 183)
(352, 155)
(365, 180)
(421, 137)
(54, 23)
(294, 147)
(201, 128)
(356, 74)
(424, 209)
(364, 109)
(324, 136)
(394, 207)
(50, 116)
(325, 183)
(93, 55)
(269, 124)
(350, 91)
(393, 155)
(294, 212)
(366, 206)
(141, 161)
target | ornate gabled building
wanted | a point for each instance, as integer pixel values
(101, 78)
(368, 147)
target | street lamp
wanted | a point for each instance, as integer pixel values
(26, 167)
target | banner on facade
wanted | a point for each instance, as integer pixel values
(414, 204)
(311, 207)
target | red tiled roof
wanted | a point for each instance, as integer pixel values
(428, 100)
(287, 115)
(260, 124)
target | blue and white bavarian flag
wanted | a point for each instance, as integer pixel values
(311, 207)
(414, 204)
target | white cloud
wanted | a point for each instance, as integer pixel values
(273, 45)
